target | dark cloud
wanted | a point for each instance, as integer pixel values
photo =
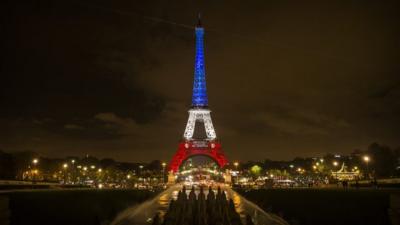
(114, 79)
(73, 127)
(386, 90)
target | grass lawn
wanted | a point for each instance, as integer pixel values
(71, 207)
(325, 206)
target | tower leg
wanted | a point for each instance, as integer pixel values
(186, 150)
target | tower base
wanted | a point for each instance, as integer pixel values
(187, 149)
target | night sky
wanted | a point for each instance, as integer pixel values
(114, 78)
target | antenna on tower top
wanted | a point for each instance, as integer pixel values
(199, 20)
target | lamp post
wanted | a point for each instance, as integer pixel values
(73, 170)
(128, 177)
(99, 177)
(34, 162)
(366, 160)
(163, 166)
(140, 173)
(65, 167)
(335, 164)
(236, 164)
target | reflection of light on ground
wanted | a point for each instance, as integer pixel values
(163, 201)
(144, 213)
(238, 203)
(175, 195)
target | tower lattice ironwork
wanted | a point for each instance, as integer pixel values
(199, 114)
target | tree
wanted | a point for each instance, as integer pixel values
(7, 166)
(383, 160)
(155, 165)
(255, 170)
(107, 162)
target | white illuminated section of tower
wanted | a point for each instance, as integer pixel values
(202, 115)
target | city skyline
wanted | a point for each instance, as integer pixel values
(283, 81)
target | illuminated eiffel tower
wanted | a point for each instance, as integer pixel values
(193, 143)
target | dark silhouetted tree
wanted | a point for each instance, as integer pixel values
(383, 160)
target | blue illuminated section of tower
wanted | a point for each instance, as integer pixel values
(199, 98)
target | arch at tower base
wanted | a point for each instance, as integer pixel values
(187, 149)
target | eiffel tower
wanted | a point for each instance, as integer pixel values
(196, 141)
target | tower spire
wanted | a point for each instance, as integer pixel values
(199, 97)
(199, 20)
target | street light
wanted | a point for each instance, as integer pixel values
(236, 164)
(335, 164)
(140, 167)
(65, 166)
(35, 162)
(366, 160)
(73, 171)
(140, 171)
(314, 167)
(163, 166)
(127, 182)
